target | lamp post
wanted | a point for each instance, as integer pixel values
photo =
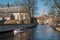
(7, 8)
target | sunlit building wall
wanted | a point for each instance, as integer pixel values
(17, 16)
(20, 13)
(25, 17)
(0, 18)
(7, 18)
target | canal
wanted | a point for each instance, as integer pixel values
(41, 32)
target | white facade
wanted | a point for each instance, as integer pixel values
(17, 16)
(7, 18)
(23, 15)
(0, 18)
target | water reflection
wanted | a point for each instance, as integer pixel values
(46, 33)
(41, 32)
(6, 36)
(22, 36)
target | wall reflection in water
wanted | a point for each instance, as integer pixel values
(41, 32)
(22, 36)
(25, 35)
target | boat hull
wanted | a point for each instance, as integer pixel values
(10, 27)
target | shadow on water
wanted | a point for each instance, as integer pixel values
(6, 36)
(41, 32)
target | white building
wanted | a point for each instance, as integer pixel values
(7, 18)
(17, 16)
(19, 12)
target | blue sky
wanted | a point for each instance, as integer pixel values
(40, 5)
(6, 1)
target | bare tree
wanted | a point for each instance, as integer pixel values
(54, 7)
(17, 2)
(31, 4)
(57, 3)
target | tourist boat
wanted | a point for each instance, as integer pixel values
(57, 27)
(15, 27)
(57, 24)
(19, 30)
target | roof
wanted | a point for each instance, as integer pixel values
(7, 11)
(5, 14)
(13, 9)
(42, 17)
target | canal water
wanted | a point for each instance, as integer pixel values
(41, 32)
